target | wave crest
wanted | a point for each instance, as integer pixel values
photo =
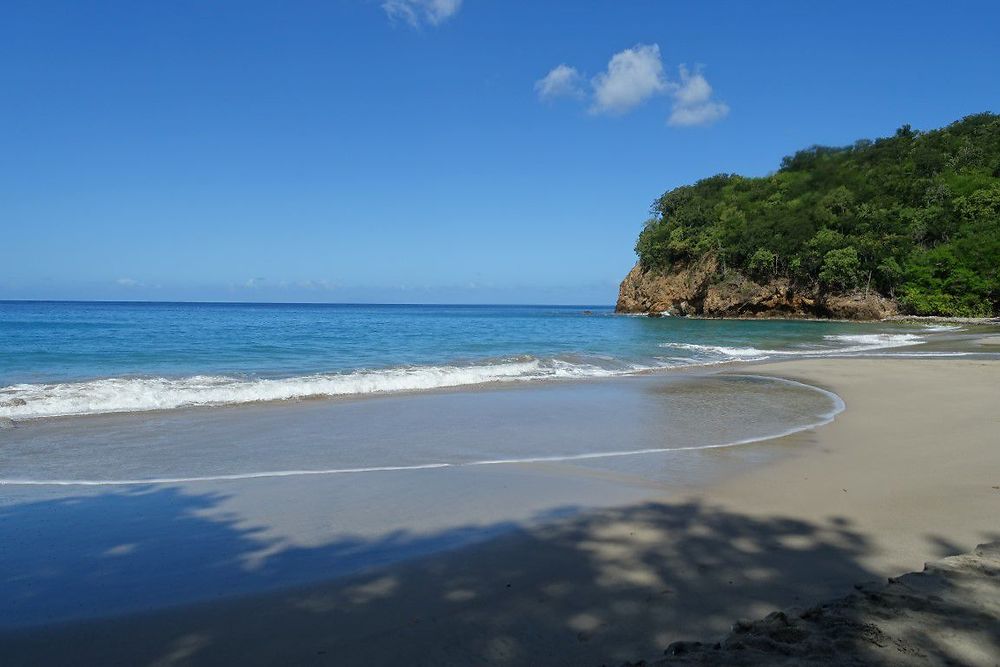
(29, 401)
(848, 343)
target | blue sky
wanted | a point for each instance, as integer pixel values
(425, 150)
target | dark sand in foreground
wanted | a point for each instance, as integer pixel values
(945, 614)
(908, 473)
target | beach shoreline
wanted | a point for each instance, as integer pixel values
(905, 475)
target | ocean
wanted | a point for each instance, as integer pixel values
(78, 358)
(234, 449)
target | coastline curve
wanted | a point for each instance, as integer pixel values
(837, 403)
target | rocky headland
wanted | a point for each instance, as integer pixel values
(903, 224)
(699, 289)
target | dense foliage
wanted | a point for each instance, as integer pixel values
(915, 216)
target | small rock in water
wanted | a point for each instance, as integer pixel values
(14, 403)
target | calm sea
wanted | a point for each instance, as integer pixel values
(573, 409)
(63, 358)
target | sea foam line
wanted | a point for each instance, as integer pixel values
(117, 395)
(838, 407)
(856, 343)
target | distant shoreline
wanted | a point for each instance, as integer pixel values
(777, 318)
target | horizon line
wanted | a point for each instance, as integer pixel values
(304, 303)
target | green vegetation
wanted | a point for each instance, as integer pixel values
(915, 216)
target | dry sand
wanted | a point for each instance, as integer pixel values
(913, 463)
(908, 473)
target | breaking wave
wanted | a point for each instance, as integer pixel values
(140, 394)
(839, 344)
(943, 328)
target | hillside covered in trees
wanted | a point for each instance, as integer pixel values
(913, 219)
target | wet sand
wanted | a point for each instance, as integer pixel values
(908, 473)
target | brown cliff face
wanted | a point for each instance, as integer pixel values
(698, 289)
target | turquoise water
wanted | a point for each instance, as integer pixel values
(59, 358)
(144, 479)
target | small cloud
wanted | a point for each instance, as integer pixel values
(419, 12)
(703, 114)
(128, 282)
(633, 76)
(562, 81)
(255, 282)
(694, 89)
(693, 103)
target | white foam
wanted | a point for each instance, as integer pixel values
(32, 401)
(112, 395)
(864, 342)
(837, 402)
(942, 328)
(849, 343)
(747, 353)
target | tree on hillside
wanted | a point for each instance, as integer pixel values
(914, 216)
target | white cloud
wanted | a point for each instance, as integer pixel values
(702, 114)
(562, 81)
(128, 282)
(419, 12)
(633, 76)
(693, 103)
(694, 89)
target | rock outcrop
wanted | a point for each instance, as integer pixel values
(698, 289)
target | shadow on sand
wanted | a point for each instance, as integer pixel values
(591, 589)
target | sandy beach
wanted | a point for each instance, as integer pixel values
(908, 473)
(447, 333)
